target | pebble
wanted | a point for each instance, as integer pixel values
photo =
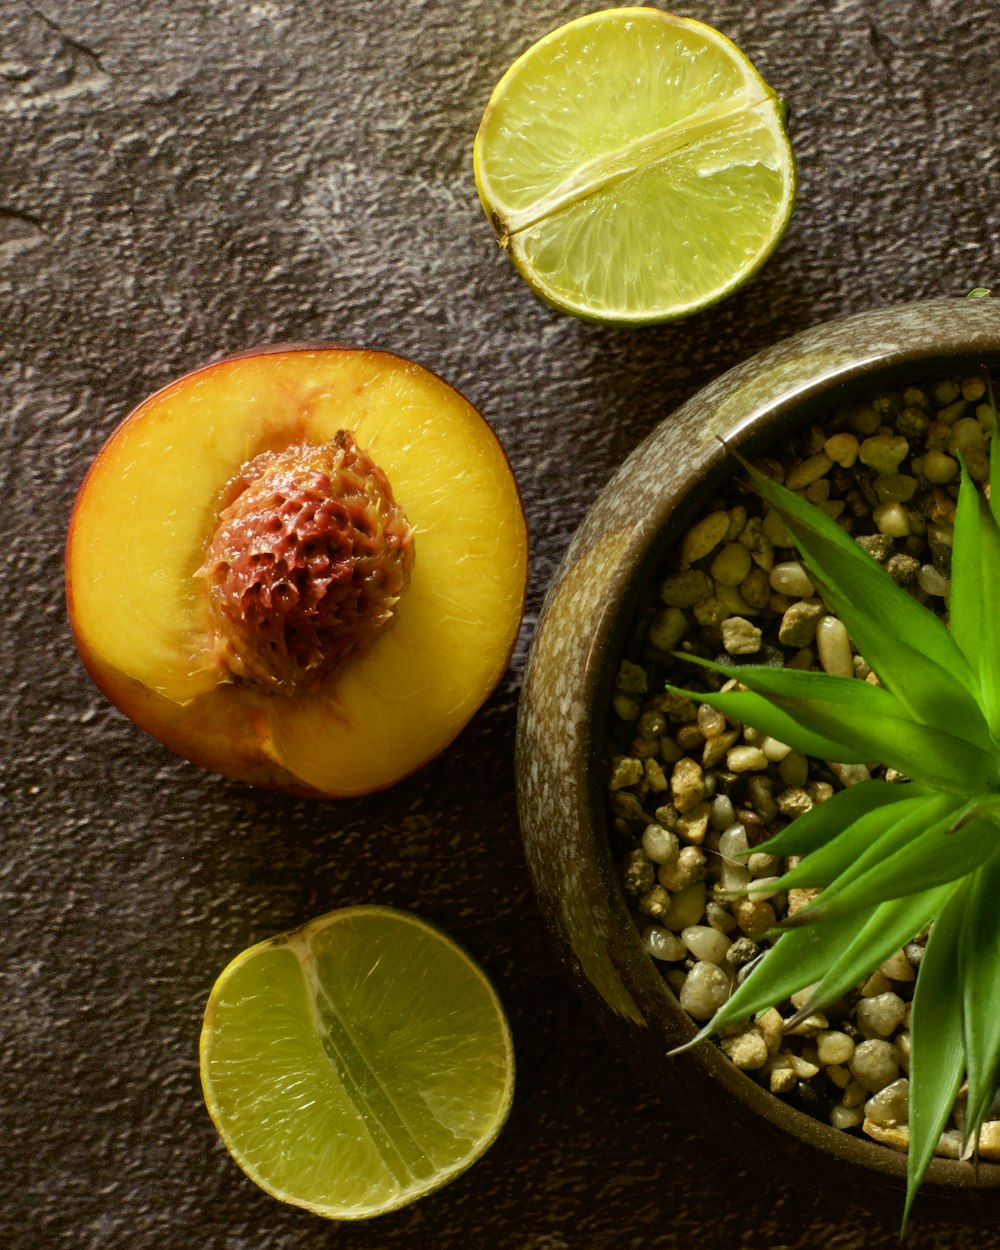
(790, 578)
(745, 759)
(938, 467)
(842, 449)
(706, 943)
(809, 470)
(931, 581)
(844, 1118)
(685, 589)
(833, 645)
(874, 1064)
(834, 1047)
(663, 945)
(705, 990)
(798, 623)
(687, 784)
(731, 564)
(740, 637)
(686, 908)
(884, 452)
(890, 1105)
(661, 845)
(687, 868)
(748, 1050)
(704, 536)
(891, 519)
(667, 628)
(880, 1015)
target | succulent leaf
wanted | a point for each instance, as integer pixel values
(860, 722)
(824, 822)
(915, 858)
(877, 935)
(870, 837)
(909, 647)
(980, 951)
(936, 1050)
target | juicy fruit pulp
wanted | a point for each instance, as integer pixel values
(356, 1063)
(635, 166)
(145, 545)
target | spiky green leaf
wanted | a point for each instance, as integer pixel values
(869, 840)
(824, 821)
(862, 722)
(980, 958)
(909, 862)
(936, 1053)
(967, 573)
(880, 932)
(908, 646)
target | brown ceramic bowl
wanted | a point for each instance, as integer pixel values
(568, 684)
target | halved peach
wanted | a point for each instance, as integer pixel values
(146, 547)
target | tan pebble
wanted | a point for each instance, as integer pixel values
(854, 1095)
(716, 748)
(834, 1047)
(966, 436)
(811, 1025)
(667, 628)
(705, 990)
(688, 867)
(819, 791)
(838, 1074)
(692, 826)
(794, 769)
(818, 493)
(690, 738)
(790, 578)
(748, 1051)
(685, 589)
(655, 902)
(731, 564)
(745, 759)
(896, 1136)
(732, 600)
(897, 967)
(949, 1144)
(737, 522)
(833, 645)
(898, 487)
(877, 983)
(711, 721)
(849, 774)
(989, 1141)
(884, 452)
(889, 1105)
(842, 449)
(740, 637)
(799, 898)
(874, 1064)
(704, 536)
(760, 792)
(656, 779)
(799, 622)
(754, 916)
(808, 470)
(794, 801)
(775, 531)
(687, 784)
(756, 589)
(782, 1080)
(761, 864)
(710, 612)
(771, 1027)
(880, 1014)
(686, 907)
(774, 750)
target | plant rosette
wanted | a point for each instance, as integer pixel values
(572, 674)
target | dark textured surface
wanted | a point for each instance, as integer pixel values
(179, 180)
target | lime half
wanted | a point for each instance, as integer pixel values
(635, 166)
(356, 1063)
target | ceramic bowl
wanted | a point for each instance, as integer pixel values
(569, 679)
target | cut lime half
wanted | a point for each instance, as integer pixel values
(356, 1063)
(635, 166)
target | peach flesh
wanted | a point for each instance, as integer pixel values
(147, 510)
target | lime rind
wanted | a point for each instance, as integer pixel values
(635, 166)
(357, 1063)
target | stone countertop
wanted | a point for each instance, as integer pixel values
(180, 180)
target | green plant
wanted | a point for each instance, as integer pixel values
(894, 858)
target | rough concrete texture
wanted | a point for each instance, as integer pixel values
(179, 180)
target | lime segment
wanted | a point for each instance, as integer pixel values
(356, 1063)
(635, 166)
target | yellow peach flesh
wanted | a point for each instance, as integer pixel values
(149, 505)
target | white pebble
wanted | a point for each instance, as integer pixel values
(661, 845)
(931, 582)
(663, 945)
(891, 519)
(834, 647)
(723, 812)
(705, 990)
(733, 872)
(764, 887)
(706, 943)
(846, 1117)
(745, 759)
(790, 578)
(774, 750)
